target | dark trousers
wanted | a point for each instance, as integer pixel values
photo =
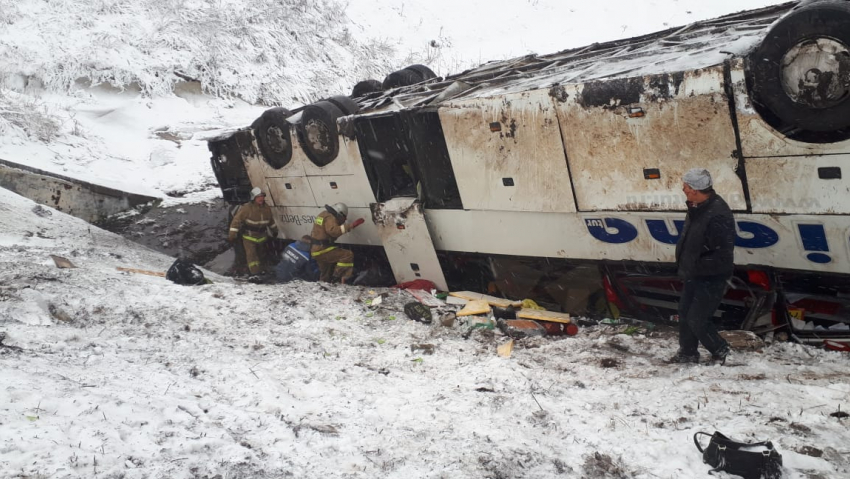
(700, 299)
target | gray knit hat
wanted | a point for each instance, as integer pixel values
(698, 179)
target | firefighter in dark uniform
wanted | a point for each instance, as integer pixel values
(257, 225)
(335, 264)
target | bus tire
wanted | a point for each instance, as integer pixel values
(365, 87)
(800, 73)
(401, 78)
(318, 132)
(273, 137)
(424, 72)
(346, 105)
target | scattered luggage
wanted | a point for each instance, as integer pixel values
(185, 273)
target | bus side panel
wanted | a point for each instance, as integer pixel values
(630, 140)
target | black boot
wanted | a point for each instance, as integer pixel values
(682, 358)
(721, 354)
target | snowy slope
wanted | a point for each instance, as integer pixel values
(96, 89)
(124, 375)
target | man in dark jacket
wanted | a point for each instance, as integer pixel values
(704, 257)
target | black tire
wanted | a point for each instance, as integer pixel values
(273, 137)
(401, 78)
(346, 105)
(318, 132)
(793, 92)
(424, 72)
(365, 87)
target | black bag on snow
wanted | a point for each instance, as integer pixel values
(418, 312)
(185, 273)
(756, 460)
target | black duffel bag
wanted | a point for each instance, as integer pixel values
(185, 273)
(418, 312)
(756, 460)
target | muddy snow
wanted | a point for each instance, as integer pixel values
(126, 375)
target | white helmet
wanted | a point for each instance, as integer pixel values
(256, 192)
(339, 208)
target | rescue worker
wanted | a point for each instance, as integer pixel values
(255, 221)
(297, 263)
(240, 265)
(335, 264)
(704, 257)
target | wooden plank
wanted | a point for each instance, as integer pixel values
(491, 300)
(475, 307)
(544, 315)
(141, 271)
(742, 340)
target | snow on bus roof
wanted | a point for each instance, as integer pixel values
(690, 47)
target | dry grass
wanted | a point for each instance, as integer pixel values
(28, 116)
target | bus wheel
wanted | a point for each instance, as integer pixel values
(318, 132)
(364, 87)
(272, 132)
(800, 73)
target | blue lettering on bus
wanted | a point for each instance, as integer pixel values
(624, 231)
(659, 230)
(756, 235)
(814, 239)
(750, 235)
(762, 236)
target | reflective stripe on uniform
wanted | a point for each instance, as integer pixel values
(317, 253)
(234, 229)
(255, 240)
(257, 223)
(345, 265)
(320, 220)
(253, 263)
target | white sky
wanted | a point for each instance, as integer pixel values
(480, 30)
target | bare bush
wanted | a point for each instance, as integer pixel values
(29, 116)
(598, 465)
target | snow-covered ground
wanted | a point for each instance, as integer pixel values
(126, 375)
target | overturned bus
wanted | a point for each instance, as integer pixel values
(558, 176)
